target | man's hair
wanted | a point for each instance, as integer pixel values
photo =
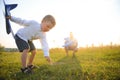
(49, 18)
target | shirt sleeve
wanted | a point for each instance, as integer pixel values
(68, 42)
(45, 46)
(20, 21)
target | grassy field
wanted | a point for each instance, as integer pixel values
(88, 64)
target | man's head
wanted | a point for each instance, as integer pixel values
(48, 22)
(71, 35)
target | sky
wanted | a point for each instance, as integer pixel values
(91, 21)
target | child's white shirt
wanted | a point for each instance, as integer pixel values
(32, 31)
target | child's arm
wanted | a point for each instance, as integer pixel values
(19, 21)
(48, 59)
(45, 48)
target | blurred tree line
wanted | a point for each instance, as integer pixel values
(1, 48)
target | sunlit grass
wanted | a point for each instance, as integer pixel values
(88, 64)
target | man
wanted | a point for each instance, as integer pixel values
(70, 44)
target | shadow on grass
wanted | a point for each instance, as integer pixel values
(67, 68)
(71, 69)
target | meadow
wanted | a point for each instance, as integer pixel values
(95, 63)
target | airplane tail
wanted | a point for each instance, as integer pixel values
(8, 8)
(11, 6)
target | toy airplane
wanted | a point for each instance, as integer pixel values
(8, 8)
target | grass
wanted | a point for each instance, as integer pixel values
(88, 64)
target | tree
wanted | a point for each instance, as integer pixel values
(1, 48)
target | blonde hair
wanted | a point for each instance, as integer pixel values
(51, 19)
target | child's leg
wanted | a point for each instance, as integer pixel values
(24, 48)
(33, 53)
(31, 58)
(24, 58)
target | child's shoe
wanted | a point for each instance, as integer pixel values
(32, 67)
(26, 70)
